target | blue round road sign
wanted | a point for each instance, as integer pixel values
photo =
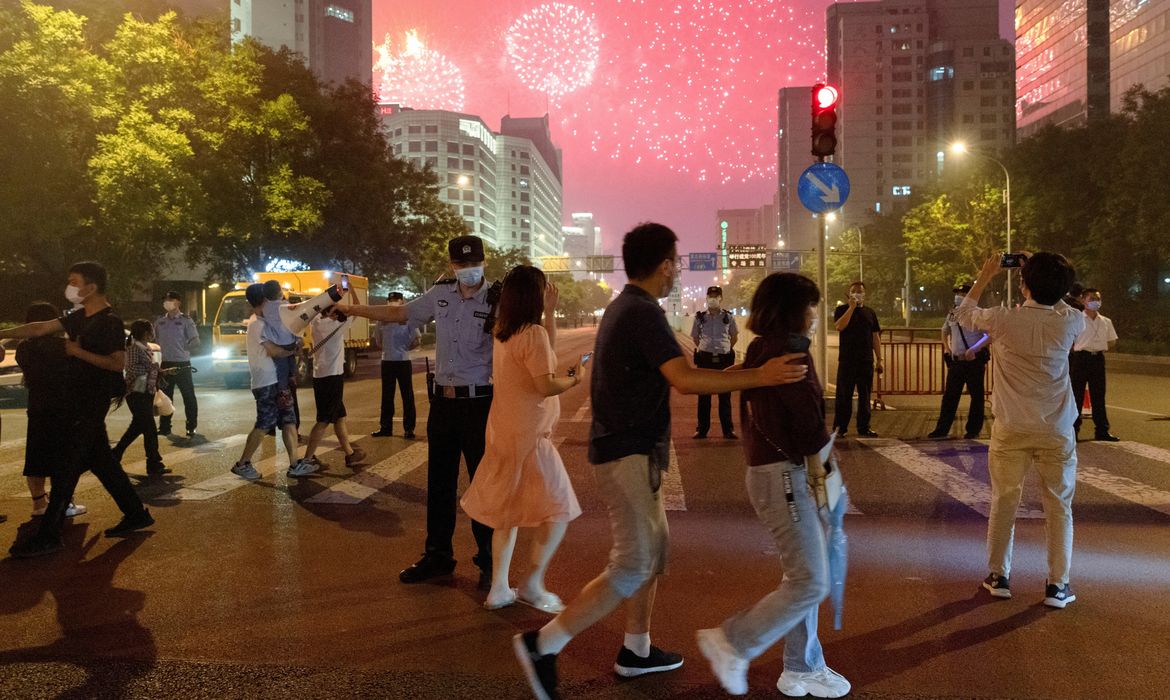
(823, 187)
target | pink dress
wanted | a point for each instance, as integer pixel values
(521, 481)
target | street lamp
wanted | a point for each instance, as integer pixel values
(960, 149)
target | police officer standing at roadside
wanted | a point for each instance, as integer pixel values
(176, 334)
(715, 334)
(463, 309)
(397, 340)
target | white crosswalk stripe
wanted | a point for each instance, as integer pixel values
(673, 496)
(370, 481)
(18, 442)
(970, 492)
(1140, 449)
(579, 416)
(1124, 488)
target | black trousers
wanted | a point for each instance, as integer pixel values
(1089, 368)
(89, 448)
(707, 360)
(456, 427)
(400, 373)
(183, 379)
(853, 374)
(962, 374)
(141, 423)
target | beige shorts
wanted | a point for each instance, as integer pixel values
(637, 518)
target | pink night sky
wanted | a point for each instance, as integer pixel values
(665, 110)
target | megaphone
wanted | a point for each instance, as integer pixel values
(297, 317)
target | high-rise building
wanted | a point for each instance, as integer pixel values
(914, 75)
(335, 37)
(796, 227)
(583, 238)
(500, 184)
(1139, 35)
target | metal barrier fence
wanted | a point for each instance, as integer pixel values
(914, 366)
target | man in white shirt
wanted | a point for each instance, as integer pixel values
(1086, 365)
(274, 406)
(329, 391)
(1034, 412)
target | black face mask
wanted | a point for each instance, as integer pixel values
(798, 342)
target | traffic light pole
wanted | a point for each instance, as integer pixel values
(823, 283)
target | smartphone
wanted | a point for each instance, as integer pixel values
(345, 283)
(1012, 260)
(584, 361)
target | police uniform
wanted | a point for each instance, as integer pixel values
(962, 373)
(462, 398)
(397, 370)
(177, 337)
(713, 332)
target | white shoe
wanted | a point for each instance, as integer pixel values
(245, 470)
(825, 683)
(75, 510)
(729, 667)
(303, 467)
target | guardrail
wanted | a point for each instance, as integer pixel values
(914, 366)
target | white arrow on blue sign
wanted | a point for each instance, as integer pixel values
(823, 187)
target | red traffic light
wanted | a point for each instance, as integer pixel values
(826, 96)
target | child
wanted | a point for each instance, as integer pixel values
(43, 362)
(141, 384)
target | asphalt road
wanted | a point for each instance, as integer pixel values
(281, 589)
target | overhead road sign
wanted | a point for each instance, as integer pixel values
(785, 261)
(742, 256)
(704, 262)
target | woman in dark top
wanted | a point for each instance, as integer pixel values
(141, 386)
(784, 430)
(43, 362)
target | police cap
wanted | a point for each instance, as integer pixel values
(466, 249)
(714, 291)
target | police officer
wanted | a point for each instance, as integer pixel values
(397, 340)
(463, 309)
(176, 334)
(715, 334)
(966, 355)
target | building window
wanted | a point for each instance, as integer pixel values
(524, 155)
(469, 165)
(397, 148)
(878, 109)
(468, 149)
(968, 118)
(524, 197)
(468, 210)
(468, 195)
(414, 129)
(524, 170)
(452, 194)
(903, 77)
(340, 13)
(525, 210)
(452, 147)
(942, 73)
(432, 162)
(236, 23)
(415, 147)
(431, 128)
(432, 147)
(904, 108)
(900, 190)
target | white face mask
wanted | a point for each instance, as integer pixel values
(812, 326)
(858, 297)
(171, 306)
(470, 276)
(713, 303)
(73, 294)
(959, 299)
(1093, 305)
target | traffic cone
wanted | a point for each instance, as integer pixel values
(1086, 406)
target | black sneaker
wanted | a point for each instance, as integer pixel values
(997, 586)
(1058, 596)
(409, 435)
(699, 435)
(384, 432)
(866, 433)
(427, 568)
(36, 546)
(730, 436)
(939, 434)
(630, 665)
(130, 523)
(540, 670)
(1107, 437)
(164, 431)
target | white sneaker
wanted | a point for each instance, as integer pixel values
(303, 467)
(825, 683)
(75, 510)
(245, 470)
(730, 668)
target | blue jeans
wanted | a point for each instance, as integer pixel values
(780, 494)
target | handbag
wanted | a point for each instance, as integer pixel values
(824, 475)
(163, 405)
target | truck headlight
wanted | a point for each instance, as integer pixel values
(220, 354)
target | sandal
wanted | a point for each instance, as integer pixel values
(38, 512)
(489, 604)
(545, 602)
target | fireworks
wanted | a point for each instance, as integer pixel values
(418, 77)
(554, 49)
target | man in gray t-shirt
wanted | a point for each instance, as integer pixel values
(176, 334)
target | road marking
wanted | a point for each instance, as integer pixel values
(970, 492)
(1140, 449)
(1131, 410)
(370, 481)
(579, 416)
(673, 497)
(224, 483)
(16, 442)
(12, 467)
(88, 481)
(1127, 489)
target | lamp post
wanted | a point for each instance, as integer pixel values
(960, 149)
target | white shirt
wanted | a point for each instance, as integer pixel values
(260, 365)
(1030, 347)
(329, 359)
(1097, 335)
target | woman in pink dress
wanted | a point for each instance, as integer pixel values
(521, 481)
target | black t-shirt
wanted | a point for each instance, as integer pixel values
(630, 397)
(44, 364)
(101, 334)
(857, 338)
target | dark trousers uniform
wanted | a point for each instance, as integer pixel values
(181, 378)
(400, 373)
(1089, 368)
(709, 360)
(89, 448)
(455, 427)
(853, 373)
(962, 374)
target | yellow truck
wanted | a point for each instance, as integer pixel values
(229, 356)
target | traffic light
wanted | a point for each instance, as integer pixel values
(825, 99)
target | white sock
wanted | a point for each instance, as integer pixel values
(552, 638)
(638, 643)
